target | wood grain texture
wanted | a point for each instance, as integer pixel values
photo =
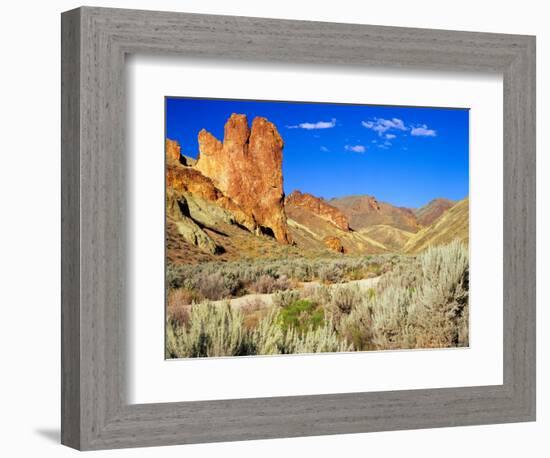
(70, 229)
(95, 413)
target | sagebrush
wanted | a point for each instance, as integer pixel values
(419, 302)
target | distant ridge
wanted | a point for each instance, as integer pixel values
(427, 214)
(364, 211)
(452, 224)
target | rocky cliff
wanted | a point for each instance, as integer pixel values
(304, 201)
(247, 168)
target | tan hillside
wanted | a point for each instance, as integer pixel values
(297, 201)
(364, 211)
(427, 214)
(391, 237)
(309, 230)
(313, 235)
(451, 225)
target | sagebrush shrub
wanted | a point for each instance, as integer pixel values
(422, 302)
(210, 331)
(217, 286)
(243, 273)
(284, 299)
(345, 298)
(266, 284)
(218, 330)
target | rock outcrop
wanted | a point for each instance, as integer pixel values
(187, 227)
(318, 207)
(247, 168)
(173, 152)
(175, 156)
(183, 180)
(334, 244)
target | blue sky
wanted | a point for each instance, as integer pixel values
(402, 155)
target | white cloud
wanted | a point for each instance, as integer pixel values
(324, 149)
(314, 125)
(423, 131)
(381, 125)
(356, 148)
(390, 136)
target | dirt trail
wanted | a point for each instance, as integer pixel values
(267, 299)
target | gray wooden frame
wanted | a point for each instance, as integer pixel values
(95, 413)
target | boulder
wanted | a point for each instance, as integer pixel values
(334, 244)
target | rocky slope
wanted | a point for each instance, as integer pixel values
(427, 214)
(452, 224)
(298, 202)
(334, 244)
(364, 211)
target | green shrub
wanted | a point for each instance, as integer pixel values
(301, 315)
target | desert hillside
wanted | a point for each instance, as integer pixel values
(390, 237)
(229, 204)
(451, 225)
(364, 211)
(427, 214)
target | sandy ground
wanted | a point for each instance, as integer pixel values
(267, 299)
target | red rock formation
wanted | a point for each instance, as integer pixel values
(319, 207)
(247, 168)
(334, 244)
(173, 152)
(186, 179)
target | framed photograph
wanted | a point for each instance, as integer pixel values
(278, 228)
